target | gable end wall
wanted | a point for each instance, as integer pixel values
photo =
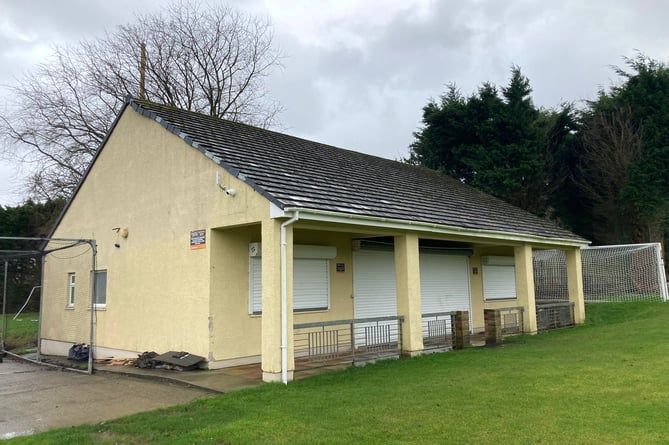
(152, 183)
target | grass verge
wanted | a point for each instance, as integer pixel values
(21, 334)
(602, 383)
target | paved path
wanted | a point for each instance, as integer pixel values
(35, 398)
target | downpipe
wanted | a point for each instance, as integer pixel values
(284, 299)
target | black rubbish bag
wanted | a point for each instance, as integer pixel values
(78, 352)
(145, 360)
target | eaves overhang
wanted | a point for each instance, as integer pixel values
(327, 216)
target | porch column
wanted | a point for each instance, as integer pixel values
(271, 300)
(407, 278)
(525, 286)
(575, 283)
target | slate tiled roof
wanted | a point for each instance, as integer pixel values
(294, 172)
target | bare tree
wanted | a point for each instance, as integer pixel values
(212, 60)
(611, 143)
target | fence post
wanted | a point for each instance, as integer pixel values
(352, 342)
(461, 330)
(493, 326)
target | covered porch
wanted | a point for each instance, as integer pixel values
(363, 289)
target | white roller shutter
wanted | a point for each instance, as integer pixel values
(375, 294)
(311, 284)
(374, 289)
(311, 278)
(444, 283)
(499, 278)
(255, 285)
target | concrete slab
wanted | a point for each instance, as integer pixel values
(217, 380)
(34, 398)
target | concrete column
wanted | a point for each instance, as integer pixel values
(407, 277)
(525, 286)
(575, 283)
(271, 300)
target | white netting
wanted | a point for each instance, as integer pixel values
(44, 314)
(550, 276)
(633, 272)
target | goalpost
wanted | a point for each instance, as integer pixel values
(621, 273)
(27, 252)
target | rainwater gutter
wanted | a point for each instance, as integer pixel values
(421, 226)
(284, 298)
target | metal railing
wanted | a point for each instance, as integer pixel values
(555, 316)
(342, 342)
(438, 330)
(512, 320)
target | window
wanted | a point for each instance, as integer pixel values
(100, 288)
(311, 284)
(311, 279)
(499, 278)
(70, 289)
(255, 285)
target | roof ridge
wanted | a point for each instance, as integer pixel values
(294, 172)
(131, 99)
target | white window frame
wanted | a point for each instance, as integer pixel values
(504, 271)
(98, 288)
(71, 285)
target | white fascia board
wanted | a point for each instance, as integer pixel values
(276, 212)
(419, 226)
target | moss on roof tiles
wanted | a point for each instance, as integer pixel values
(295, 172)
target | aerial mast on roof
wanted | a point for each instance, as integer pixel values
(142, 72)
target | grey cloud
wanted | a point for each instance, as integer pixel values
(370, 97)
(72, 19)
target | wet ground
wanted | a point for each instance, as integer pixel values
(35, 398)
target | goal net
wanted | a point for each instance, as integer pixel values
(623, 273)
(40, 318)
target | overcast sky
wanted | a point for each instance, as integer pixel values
(358, 72)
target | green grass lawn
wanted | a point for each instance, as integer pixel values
(603, 383)
(21, 334)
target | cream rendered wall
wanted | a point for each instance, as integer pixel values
(476, 285)
(407, 279)
(341, 283)
(235, 335)
(151, 182)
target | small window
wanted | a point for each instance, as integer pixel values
(311, 285)
(255, 286)
(70, 289)
(100, 288)
(499, 278)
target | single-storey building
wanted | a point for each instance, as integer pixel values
(218, 238)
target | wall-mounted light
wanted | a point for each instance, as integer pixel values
(120, 232)
(228, 191)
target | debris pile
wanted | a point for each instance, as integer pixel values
(173, 360)
(179, 361)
